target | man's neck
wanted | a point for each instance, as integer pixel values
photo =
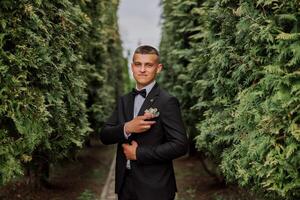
(140, 87)
(147, 87)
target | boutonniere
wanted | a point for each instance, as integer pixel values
(153, 111)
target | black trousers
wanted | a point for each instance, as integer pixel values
(128, 191)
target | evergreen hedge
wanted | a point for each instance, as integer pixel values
(242, 59)
(56, 64)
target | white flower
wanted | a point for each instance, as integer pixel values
(153, 111)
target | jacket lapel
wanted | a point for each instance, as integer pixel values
(150, 99)
(129, 102)
(129, 107)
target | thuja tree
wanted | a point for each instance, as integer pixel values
(43, 112)
(109, 76)
(251, 122)
(44, 78)
(245, 69)
(266, 120)
(179, 21)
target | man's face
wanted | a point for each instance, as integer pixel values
(144, 68)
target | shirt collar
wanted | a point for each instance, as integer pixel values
(148, 87)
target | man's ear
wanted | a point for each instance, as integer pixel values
(131, 67)
(159, 68)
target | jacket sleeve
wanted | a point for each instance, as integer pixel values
(176, 144)
(113, 131)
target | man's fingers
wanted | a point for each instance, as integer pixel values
(134, 143)
(146, 127)
(148, 122)
(140, 124)
(147, 116)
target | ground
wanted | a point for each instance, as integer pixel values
(71, 180)
(195, 184)
(84, 179)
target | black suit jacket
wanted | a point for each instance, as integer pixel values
(166, 140)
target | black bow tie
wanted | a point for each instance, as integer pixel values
(142, 92)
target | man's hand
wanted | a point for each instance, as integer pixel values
(130, 150)
(139, 124)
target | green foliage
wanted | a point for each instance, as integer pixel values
(175, 52)
(86, 195)
(108, 78)
(237, 64)
(51, 53)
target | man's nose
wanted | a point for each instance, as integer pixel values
(143, 68)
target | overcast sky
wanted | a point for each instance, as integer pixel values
(139, 23)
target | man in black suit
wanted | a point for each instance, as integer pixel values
(149, 131)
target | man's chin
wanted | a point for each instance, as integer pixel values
(144, 83)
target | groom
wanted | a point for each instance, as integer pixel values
(149, 131)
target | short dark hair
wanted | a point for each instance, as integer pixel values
(146, 49)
